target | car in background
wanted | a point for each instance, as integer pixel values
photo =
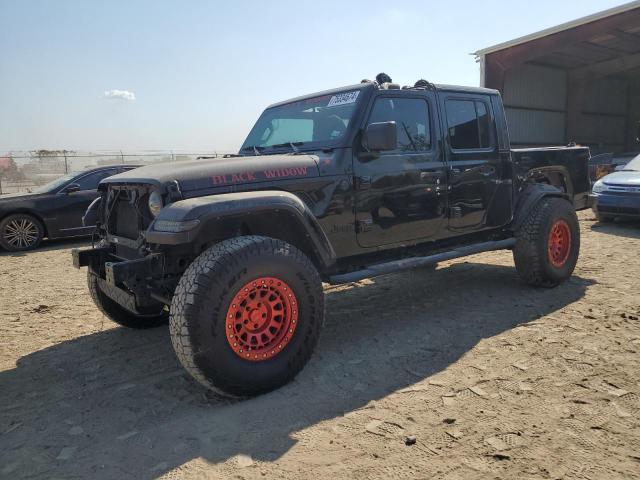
(600, 165)
(605, 163)
(54, 210)
(618, 194)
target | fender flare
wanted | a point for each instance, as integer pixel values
(546, 172)
(530, 196)
(243, 207)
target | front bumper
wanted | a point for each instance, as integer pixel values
(127, 282)
(616, 205)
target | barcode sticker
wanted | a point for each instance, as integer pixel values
(343, 98)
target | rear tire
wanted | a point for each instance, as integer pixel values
(246, 315)
(119, 314)
(548, 243)
(20, 232)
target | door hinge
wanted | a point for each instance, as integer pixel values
(455, 212)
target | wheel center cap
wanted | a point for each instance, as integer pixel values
(257, 316)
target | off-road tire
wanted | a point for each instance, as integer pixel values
(34, 225)
(119, 314)
(531, 252)
(204, 295)
(604, 218)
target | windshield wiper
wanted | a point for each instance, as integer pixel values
(294, 145)
(256, 149)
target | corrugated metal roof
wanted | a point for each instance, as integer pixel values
(559, 28)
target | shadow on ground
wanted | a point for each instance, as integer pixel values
(115, 404)
(619, 227)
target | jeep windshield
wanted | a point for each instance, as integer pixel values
(317, 122)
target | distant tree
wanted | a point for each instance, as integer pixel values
(52, 159)
(9, 171)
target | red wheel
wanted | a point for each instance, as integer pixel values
(548, 243)
(261, 319)
(559, 243)
(246, 315)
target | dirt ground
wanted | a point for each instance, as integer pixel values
(493, 378)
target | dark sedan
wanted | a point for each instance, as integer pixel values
(618, 194)
(54, 210)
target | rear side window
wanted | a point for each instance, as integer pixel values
(90, 182)
(412, 121)
(469, 124)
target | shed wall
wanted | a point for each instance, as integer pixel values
(535, 99)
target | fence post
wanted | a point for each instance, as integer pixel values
(66, 166)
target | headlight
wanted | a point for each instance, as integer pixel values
(599, 187)
(155, 203)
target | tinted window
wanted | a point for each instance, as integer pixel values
(412, 121)
(90, 182)
(469, 124)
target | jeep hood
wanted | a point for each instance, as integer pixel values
(221, 172)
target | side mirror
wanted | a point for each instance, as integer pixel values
(72, 187)
(380, 136)
(90, 218)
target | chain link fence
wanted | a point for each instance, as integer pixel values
(23, 171)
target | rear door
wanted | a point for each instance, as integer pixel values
(476, 169)
(401, 195)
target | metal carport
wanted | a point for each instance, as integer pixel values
(578, 82)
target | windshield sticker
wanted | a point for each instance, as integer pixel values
(343, 99)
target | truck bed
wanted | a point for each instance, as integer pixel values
(575, 160)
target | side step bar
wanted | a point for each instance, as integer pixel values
(409, 263)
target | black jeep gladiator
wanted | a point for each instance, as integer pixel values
(335, 186)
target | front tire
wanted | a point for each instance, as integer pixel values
(20, 232)
(548, 243)
(246, 315)
(119, 314)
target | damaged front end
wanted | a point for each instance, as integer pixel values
(137, 275)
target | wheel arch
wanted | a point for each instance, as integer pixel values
(26, 211)
(530, 196)
(555, 175)
(275, 214)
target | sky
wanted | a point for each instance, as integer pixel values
(195, 75)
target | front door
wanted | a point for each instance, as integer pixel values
(476, 170)
(401, 194)
(73, 205)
